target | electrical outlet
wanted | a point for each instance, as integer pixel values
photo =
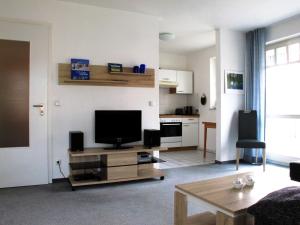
(58, 162)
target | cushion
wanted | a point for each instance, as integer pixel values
(250, 143)
(278, 208)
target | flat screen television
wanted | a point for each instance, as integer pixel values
(118, 127)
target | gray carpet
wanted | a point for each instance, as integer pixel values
(135, 203)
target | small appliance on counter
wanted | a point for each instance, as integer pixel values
(188, 110)
(179, 111)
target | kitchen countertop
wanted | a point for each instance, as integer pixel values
(178, 116)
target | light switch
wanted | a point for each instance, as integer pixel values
(57, 103)
(151, 103)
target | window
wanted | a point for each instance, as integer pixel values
(270, 57)
(281, 55)
(294, 52)
(213, 82)
(282, 97)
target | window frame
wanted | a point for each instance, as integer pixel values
(285, 43)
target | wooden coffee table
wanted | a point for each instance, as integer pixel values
(225, 205)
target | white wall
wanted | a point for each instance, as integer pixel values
(172, 61)
(169, 102)
(230, 56)
(200, 64)
(101, 35)
(284, 29)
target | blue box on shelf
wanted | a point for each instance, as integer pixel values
(142, 68)
(80, 69)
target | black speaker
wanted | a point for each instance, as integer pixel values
(76, 140)
(151, 138)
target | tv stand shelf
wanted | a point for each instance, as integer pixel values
(113, 165)
(85, 165)
(142, 174)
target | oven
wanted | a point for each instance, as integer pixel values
(171, 132)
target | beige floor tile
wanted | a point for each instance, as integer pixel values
(178, 159)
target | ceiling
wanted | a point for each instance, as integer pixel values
(194, 21)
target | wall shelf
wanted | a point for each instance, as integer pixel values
(99, 76)
(95, 82)
(129, 74)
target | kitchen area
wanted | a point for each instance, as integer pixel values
(180, 122)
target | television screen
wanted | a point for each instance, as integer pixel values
(118, 126)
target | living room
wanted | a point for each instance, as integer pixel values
(34, 156)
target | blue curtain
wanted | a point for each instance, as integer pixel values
(256, 83)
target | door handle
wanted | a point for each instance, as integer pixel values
(38, 106)
(41, 107)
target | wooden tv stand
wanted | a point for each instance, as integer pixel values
(111, 166)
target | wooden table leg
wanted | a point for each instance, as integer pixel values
(223, 219)
(264, 159)
(180, 208)
(205, 140)
(237, 158)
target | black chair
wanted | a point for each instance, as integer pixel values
(295, 171)
(248, 136)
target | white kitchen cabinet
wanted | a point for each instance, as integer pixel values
(185, 82)
(167, 75)
(190, 134)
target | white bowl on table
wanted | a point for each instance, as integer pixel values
(238, 183)
(249, 180)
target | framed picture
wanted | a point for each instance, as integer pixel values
(115, 67)
(234, 82)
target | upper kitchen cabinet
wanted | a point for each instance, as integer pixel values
(185, 82)
(179, 82)
(167, 78)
